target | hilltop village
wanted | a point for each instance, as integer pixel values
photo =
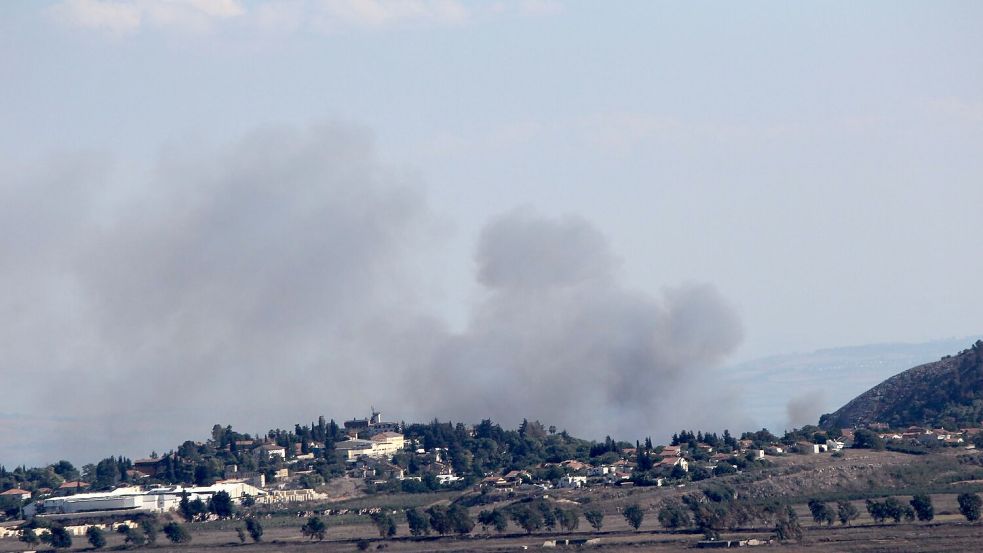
(373, 456)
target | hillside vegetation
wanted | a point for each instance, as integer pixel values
(948, 392)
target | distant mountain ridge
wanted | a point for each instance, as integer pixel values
(946, 392)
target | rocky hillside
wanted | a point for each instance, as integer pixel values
(946, 392)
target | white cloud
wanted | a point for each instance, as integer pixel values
(114, 17)
(381, 14)
(125, 17)
(122, 17)
(539, 7)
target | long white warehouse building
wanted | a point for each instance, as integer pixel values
(133, 498)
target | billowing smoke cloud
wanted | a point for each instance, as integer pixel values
(560, 339)
(277, 280)
(239, 285)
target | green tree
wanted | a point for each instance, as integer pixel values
(492, 518)
(29, 537)
(133, 536)
(969, 506)
(787, 527)
(96, 537)
(568, 519)
(528, 519)
(674, 515)
(315, 529)
(384, 523)
(255, 529)
(922, 504)
(59, 538)
(595, 518)
(439, 520)
(549, 519)
(460, 519)
(821, 512)
(876, 510)
(634, 515)
(184, 507)
(867, 439)
(846, 512)
(191, 510)
(419, 525)
(177, 533)
(149, 526)
(889, 508)
(221, 505)
(499, 521)
(107, 473)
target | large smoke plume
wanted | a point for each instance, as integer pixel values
(279, 279)
(558, 337)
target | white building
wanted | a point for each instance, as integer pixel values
(388, 443)
(269, 451)
(572, 482)
(600, 471)
(381, 445)
(133, 498)
(447, 478)
(354, 448)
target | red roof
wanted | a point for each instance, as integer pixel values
(16, 491)
(73, 484)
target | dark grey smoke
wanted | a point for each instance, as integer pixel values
(560, 339)
(276, 280)
(805, 408)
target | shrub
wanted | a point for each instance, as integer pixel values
(315, 528)
(179, 534)
(29, 537)
(255, 529)
(969, 506)
(674, 515)
(384, 523)
(134, 536)
(149, 527)
(97, 538)
(59, 538)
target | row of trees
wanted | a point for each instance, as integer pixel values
(144, 533)
(920, 506)
(531, 516)
(716, 509)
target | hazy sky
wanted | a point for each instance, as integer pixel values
(816, 169)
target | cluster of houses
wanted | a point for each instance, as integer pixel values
(929, 436)
(368, 454)
(370, 445)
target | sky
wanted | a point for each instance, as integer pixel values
(256, 212)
